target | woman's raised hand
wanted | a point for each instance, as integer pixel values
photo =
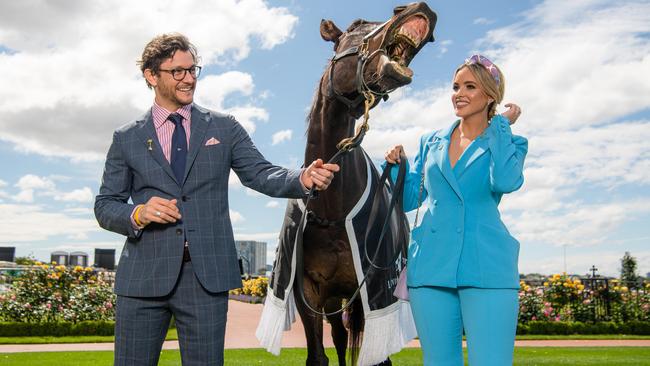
(512, 113)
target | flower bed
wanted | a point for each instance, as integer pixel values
(563, 299)
(48, 293)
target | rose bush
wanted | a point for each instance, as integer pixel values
(562, 298)
(50, 293)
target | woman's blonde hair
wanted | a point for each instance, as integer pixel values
(488, 83)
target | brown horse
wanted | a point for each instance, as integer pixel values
(370, 57)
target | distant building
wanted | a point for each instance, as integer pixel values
(105, 258)
(78, 259)
(252, 255)
(59, 257)
(7, 254)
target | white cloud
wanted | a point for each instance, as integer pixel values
(2, 183)
(212, 91)
(281, 136)
(31, 181)
(234, 182)
(31, 184)
(75, 64)
(483, 21)
(236, 217)
(84, 194)
(253, 193)
(443, 47)
(29, 223)
(273, 204)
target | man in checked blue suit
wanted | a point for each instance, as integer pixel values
(179, 257)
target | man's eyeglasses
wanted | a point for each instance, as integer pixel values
(487, 64)
(179, 73)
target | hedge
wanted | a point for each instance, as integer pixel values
(106, 328)
(634, 327)
(58, 329)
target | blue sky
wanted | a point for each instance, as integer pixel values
(578, 70)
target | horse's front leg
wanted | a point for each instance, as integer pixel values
(313, 323)
(339, 333)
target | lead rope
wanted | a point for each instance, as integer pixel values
(346, 145)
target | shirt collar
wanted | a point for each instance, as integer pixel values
(161, 114)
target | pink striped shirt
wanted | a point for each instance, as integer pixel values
(165, 128)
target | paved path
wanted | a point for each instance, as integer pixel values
(240, 333)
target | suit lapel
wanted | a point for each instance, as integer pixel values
(477, 148)
(441, 156)
(147, 133)
(200, 120)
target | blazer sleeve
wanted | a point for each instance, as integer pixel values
(112, 210)
(508, 152)
(413, 176)
(257, 173)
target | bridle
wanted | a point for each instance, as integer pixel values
(363, 57)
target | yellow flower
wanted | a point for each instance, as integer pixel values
(545, 284)
(624, 288)
(38, 263)
(581, 287)
(60, 268)
(78, 268)
(45, 266)
(88, 269)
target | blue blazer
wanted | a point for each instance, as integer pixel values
(461, 240)
(136, 170)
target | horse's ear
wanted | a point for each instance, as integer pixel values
(329, 31)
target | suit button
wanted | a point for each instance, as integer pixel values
(458, 230)
(179, 231)
(185, 198)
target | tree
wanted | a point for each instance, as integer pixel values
(28, 260)
(628, 271)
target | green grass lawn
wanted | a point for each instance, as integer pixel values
(173, 336)
(637, 356)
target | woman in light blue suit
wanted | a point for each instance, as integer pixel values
(462, 264)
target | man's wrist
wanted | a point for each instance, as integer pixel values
(135, 217)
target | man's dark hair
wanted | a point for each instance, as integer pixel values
(163, 47)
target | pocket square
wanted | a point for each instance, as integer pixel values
(212, 141)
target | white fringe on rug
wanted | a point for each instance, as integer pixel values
(385, 332)
(277, 316)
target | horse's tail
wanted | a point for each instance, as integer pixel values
(356, 322)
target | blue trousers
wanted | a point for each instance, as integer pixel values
(141, 324)
(488, 316)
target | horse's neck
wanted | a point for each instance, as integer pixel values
(329, 123)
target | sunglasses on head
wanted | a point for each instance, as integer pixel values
(487, 64)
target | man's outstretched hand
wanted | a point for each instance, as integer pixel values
(318, 174)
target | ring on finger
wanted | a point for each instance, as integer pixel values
(158, 213)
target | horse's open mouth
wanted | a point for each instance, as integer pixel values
(407, 39)
(403, 45)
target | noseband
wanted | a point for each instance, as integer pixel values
(362, 60)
